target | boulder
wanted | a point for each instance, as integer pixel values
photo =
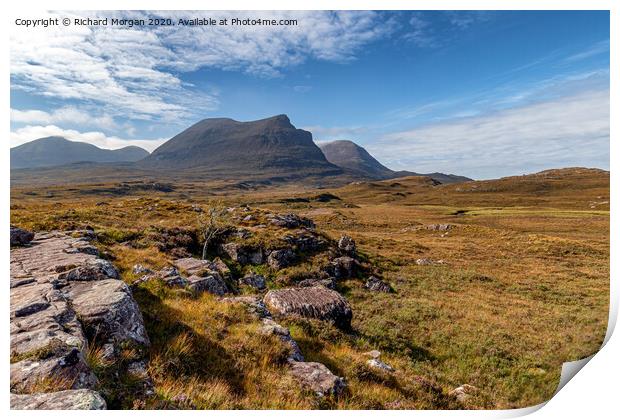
(78, 399)
(193, 265)
(317, 378)
(253, 280)
(212, 283)
(310, 302)
(281, 258)
(342, 267)
(97, 269)
(377, 285)
(20, 237)
(243, 254)
(270, 327)
(346, 244)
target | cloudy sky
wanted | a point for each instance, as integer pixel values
(482, 94)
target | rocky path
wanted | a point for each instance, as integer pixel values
(67, 302)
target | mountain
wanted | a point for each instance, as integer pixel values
(222, 147)
(55, 151)
(348, 155)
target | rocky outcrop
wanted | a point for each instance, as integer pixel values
(317, 378)
(254, 280)
(20, 237)
(290, 221)
(79, 399)
(342, 267)
(310, 302)
(64, 300)
(270, 327)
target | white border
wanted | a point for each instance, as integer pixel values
(593, 393)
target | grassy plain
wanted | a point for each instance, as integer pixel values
(520, 284)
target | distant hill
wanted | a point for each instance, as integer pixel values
(56, 151)
(349, 155)
(346, 154)
(222, 147)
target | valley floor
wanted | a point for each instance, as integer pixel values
(497, 283)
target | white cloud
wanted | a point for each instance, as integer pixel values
(134, 72)
(567, 131)
(62, 115)
(29, 133)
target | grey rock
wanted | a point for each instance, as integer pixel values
(342, 267)
(305, 241)
(375, 354)
(317, 378)
(78, 399)
(310, 302)
(213, 283)
(97, 269)
(329, 282)
(291, 221)
(463, 393)
(254, 304)
(440, 226)
(140, 269)
(243, 254)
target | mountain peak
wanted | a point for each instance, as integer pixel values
(352, 156)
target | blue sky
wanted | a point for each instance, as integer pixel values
(482, 94)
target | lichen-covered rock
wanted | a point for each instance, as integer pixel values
(270, 327)
(20, 237)
(78, 399)
(97, 269)
(378, 364)
(281, 258)
(377, 285)
(193, 265)
(305, 241)
(317, 378)
(310, 302)
(463, 392)
(243, 254)
(346, 244)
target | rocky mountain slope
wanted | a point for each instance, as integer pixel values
(223, 147)
(55, 151)
(351, 156)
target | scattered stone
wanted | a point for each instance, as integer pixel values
(378, 364)
(441, 226)
(317, 378)
(375, 354)
(140, 269)
(346, 244)
(290, 221)
(248, 218)
(377, 285)
(311, 302)
(463, 392)
(20, 237)
(78, 399)
(270, 327)
(281, 258)
(254, 280)
(428, 261)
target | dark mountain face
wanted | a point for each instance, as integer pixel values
(55, 151)
(346, 154)
(350, 156)
(229, 148)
